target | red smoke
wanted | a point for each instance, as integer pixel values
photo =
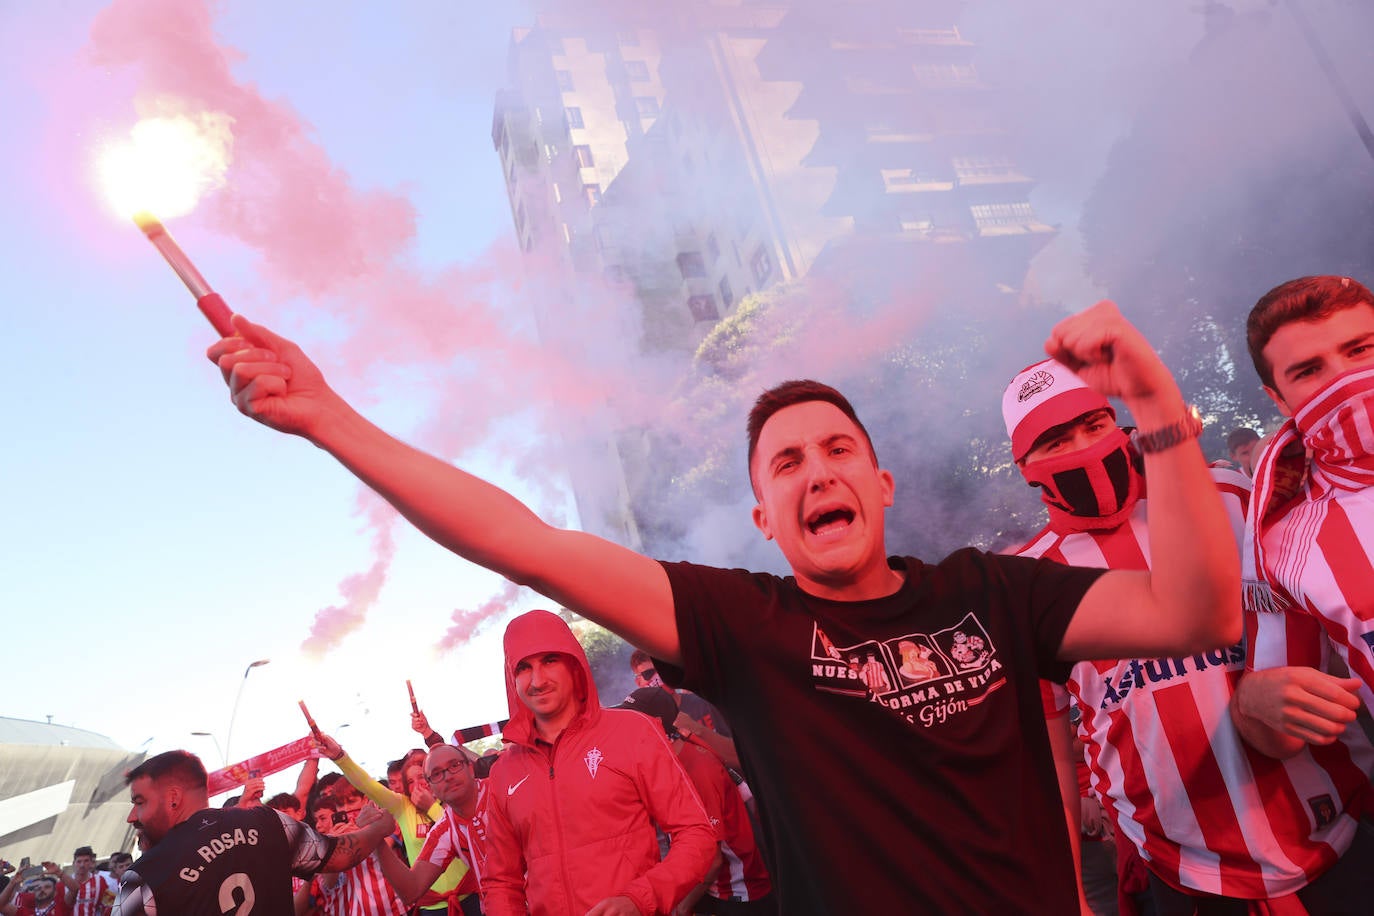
(454, 336)
(321, 237)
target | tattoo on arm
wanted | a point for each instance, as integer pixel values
(350, 849)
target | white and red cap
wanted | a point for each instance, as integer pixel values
(1043, 395)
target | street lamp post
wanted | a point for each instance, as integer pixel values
(229, 738)
(224, 761)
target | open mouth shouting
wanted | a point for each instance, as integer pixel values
(829, 521)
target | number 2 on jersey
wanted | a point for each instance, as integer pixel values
(240, 882)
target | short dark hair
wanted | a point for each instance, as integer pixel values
(117, 857)
(326, 781)
(180, 767)
(284, 801)
(1239, 436)
(83, 851)
(325, 802)
(1303, 299)
(395, 766)
(639, 657)
(797, 391)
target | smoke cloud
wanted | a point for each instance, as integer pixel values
(1163, 120)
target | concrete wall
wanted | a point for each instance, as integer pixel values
(55, 798)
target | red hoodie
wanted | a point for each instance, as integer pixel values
(572, 823)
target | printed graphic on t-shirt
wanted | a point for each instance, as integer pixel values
(924, 677)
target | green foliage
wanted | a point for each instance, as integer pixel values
(1225, 188)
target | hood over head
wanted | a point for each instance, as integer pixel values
(535, 633)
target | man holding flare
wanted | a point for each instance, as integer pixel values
(959, 770)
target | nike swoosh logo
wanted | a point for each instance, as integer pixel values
(510, 790)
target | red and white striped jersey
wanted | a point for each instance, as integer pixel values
(1319, 552)
(363, 891)
(95, 896)
(1206, 811)
(454, 836)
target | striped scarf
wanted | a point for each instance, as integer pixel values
(1328, 444)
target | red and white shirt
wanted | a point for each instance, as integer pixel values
(1319, 553)
(95, 896)
(454, 836)
(362, 891)
(1207, 812)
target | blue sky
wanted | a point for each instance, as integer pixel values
(155, 541)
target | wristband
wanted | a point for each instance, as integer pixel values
(1189, 426)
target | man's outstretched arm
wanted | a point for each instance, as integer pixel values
(1190, 600)
(272, 381)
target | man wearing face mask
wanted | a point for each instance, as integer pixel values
(1309, 577)
(1219, 829)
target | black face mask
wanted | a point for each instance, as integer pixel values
(1093, 488)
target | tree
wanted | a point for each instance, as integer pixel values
(1242, 173)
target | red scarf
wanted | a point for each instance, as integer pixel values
(1328, 444)
(1091, 489)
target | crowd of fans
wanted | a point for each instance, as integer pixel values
(1231, 776)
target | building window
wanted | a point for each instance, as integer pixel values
(727, 295)
(691, 264)
(584, 156)
(575, 118)
(703, 308)
(592, 192)
(975, 169)
(647, 106)
(564, 79)
(637, 70)
(713, 252)
(988, 215)
(761, 264)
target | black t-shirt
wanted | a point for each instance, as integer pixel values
(224, 860)
(897, 746)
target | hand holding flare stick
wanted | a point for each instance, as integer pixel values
(414, 708)
(314, 729)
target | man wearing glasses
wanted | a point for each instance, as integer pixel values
(415, 810)
(457, 836)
